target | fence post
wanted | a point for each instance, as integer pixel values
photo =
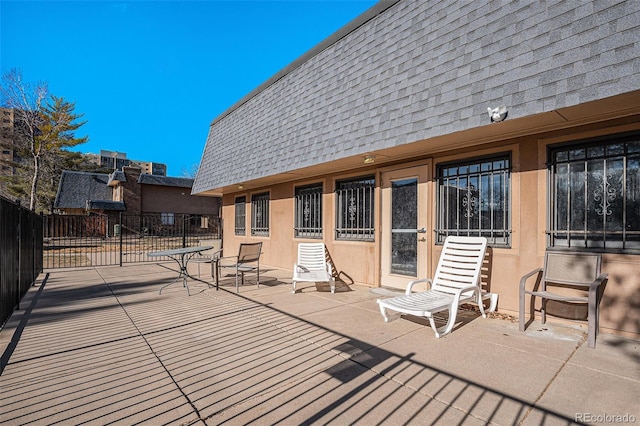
(19, 244)
(32, 222)
(120, 236)
(184, 230)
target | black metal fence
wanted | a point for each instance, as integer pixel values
(102, 240)
(20, 254)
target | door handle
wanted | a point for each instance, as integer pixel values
(422, 230)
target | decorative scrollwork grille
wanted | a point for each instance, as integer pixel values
(241, 215)
(308, 211)
(473, 199)
(595, 195)
(355, 209)
(260, 214)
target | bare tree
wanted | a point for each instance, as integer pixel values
(27, 102)
(41, 127)
(191, 172)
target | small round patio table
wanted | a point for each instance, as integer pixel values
(182, 257)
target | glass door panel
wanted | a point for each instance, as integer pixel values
(404, 227)
(404, 221)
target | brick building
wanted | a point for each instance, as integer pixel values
(131, 192)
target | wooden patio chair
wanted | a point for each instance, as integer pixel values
(456, 281)
(567, 269)
(312, 266)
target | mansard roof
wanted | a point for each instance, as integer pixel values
(413, 70)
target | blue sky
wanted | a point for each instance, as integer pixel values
(149, 76)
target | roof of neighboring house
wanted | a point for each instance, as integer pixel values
(116, 177)
(412, 70)
(106, 205)
(147, 179)
(77, 188)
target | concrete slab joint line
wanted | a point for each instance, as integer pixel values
(553, 379)
(184, 394)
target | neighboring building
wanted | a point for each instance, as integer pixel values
(114, 160)
(130, 191)
(151, 168)
(84, 192)
(6, 145)
(379, 143)
(144, 193)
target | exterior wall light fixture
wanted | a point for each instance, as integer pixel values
(497, 114)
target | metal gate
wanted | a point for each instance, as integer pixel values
(102, 240)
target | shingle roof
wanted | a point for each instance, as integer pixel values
(76, 188)
(147, 179)
(117, 176)
(106, 205)
(421, 69)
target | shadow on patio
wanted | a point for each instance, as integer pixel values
(101, 345)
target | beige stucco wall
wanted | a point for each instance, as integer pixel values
(280, 247)
(361, 260)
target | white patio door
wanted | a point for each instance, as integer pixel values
(405, 233)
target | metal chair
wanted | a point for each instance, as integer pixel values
(247, 260)
(567, 269)
(208, 256)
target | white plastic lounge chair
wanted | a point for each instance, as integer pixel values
(312, 266)
(456, 281)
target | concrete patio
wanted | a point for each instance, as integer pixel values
(101, 346)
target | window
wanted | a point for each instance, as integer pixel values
(241, 215)
(473, 199)
(167, 218)
(355, 208)
(204, 222)
(595, 195)
(308, 211)
(260, 214)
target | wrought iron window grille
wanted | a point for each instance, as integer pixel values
(474, 199)
(355, 209)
